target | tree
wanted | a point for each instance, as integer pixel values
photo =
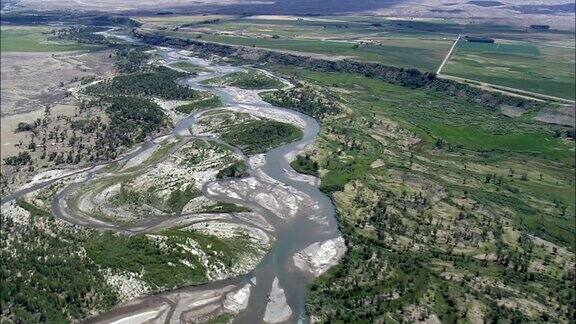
(22, 158)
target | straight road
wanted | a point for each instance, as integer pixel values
(514, 92)
(448, 55)
(494, 87)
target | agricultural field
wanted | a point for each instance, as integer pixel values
(35, 39)
(327, 36)
(402, 43)
(540, 68)
(424, 54)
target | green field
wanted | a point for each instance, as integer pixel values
(403, 43)
(424, 54)
(527, 66)
(541, 62)
(391, 43)
(35, 39)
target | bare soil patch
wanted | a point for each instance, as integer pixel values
(562, 115)
(32, 80)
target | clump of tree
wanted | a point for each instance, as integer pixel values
(23, 158)
(130, 60)
(306, 99)
(250, 79)
(305, 164)
(82, 34)
(132, 119)
(25, 127)
(237, 169)
(224, 207)
(44, 278)
(257, 137)
(158, 83)
(108, 20)
(203, 22)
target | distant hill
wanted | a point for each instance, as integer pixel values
(557, 13)
(223, 6)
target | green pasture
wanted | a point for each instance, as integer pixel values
(532, 67)
(34, 39)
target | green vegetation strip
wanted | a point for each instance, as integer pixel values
(212, 101)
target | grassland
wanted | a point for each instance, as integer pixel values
(35, 39)
(464, 128)
(439, 200)
(527, 66)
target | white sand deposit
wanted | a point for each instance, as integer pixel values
(318, 257)
(283, 201)
(16, 213)
(50, 175)
(309, 179)
(277, 310)
(128, 285)
(169, 107)
(143, 317)
(237, 300)
(283, 116)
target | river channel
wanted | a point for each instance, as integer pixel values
(309, 224)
